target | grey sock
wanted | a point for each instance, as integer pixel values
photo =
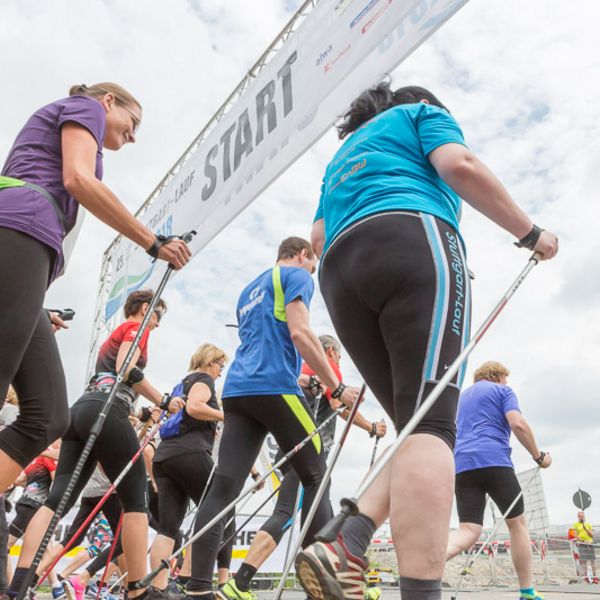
(420, 589)
(357, 533)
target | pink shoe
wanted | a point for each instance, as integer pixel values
(73, 588)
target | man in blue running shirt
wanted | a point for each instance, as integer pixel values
(261, 395)
(488, 412)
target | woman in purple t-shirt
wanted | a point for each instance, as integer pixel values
(55, 165)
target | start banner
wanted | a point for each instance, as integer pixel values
(338, 50)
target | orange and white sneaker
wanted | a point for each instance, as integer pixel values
(331, 572)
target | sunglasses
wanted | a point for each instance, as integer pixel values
(134, 118)
(158, 314)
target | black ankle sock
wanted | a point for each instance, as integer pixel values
(420, 589)
(357, 533)
(244, 576)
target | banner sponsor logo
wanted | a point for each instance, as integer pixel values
(376, 16)
(362, 13)
(323, 55)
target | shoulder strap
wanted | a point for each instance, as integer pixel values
(11, 182)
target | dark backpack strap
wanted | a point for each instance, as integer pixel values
(53, 201)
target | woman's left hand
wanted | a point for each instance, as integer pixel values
(57, 322)
(176, 405)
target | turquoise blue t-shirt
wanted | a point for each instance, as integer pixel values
(482, 430)
(383, 166)
(267, 361)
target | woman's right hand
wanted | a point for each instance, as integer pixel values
(176, 253)
(176, 404)
(547, 245)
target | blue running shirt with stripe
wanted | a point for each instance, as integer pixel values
(267, 361)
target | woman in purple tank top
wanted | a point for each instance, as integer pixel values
(53, 167)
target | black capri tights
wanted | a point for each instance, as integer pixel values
(397, 289)
(178, 480)
(29, 357)
(114, 448)
(248, 419)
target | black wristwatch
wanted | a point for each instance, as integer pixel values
(159, 240)
(339, 390)
(166, 400)
(373, 431)
(540, 459)
(531, 239)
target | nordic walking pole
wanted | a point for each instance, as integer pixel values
(322, 487)
(377, 438)
(350, 505)
(470, 561)
(248, 519)
(109, 491)
(96, 429)
(144, 582)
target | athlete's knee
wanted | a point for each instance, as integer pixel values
(275, 525)
(59, 423)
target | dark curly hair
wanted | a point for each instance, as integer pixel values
(379, 98)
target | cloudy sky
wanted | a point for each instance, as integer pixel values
(520, 77)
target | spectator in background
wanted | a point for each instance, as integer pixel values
(584, 534)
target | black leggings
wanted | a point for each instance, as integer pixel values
(397, 290)
(248, 419)
(3, 546)
(24, 514)
(111, 509)
(114, 448)
(178, 479)
(29, 357)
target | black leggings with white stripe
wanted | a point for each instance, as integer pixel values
(397, 289)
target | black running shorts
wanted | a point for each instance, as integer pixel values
(499, 483)
(397, 289)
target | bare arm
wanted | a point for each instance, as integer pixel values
(523, 432)
(478, 186)
(79, 178)
(310, 348)
(317, 237)
(197, 404)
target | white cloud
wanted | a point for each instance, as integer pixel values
(522, 80)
